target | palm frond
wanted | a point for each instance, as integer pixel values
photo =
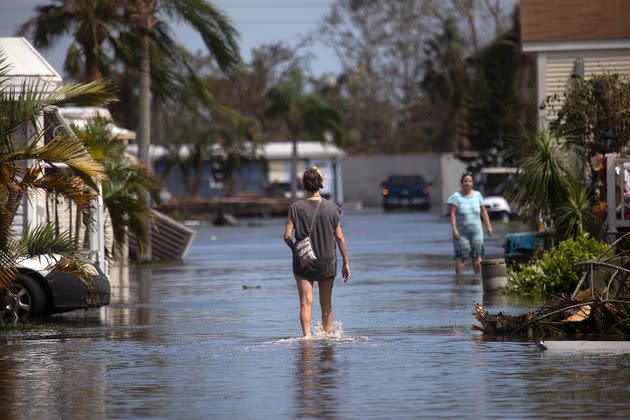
(98, 139)
(215, 28)
(70, 151)
(208, 99)
(279, 101)
(71, 188)
(26, 104)
(127, 208)
(73, 63)
(127, 213)
(44, 239)
(5, 67)
(8, 266)
(6, 230)
(122, 192)
(50, 22)
(321, 118)
(575, 215)
(97, 93)
(543, 175)
(79, 268)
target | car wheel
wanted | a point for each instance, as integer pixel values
(30, 297)
(8, 306)
(386, 208)
(504, 217)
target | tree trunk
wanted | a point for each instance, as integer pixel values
(144, 130)
(13, 201)
(92, 72)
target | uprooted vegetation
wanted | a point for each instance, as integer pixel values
(598, 307)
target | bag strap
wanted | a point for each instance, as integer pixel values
(310, 229)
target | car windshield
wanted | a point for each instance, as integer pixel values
(405, 180)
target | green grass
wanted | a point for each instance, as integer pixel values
(6, 327)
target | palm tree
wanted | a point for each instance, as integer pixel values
(145, 31)
(147, 20)
(122, 191)
(303, 113)
(548, 184)
(62, 166)
(214, 27)
(92, 24)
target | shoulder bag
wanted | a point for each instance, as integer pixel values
(304, 248)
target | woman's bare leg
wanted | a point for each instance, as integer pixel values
(325, 301)
(305, 290)
(459, 266)
(476, 263)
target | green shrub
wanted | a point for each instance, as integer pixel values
(556, 271)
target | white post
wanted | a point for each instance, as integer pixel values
(101, 230)
(30, 205)
(610, 197)
(541, 89)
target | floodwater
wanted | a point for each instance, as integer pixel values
(217, 336)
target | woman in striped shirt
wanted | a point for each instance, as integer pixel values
(466, 211)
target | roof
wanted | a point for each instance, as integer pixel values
(26, 64)
(157, 151)
(305, 149)
(269, 151)
(499, 170)
(574, 20)
(80, 116)
(85, 112)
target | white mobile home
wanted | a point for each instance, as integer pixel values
(36, 290)
(327, 157)
(28, 68)
(573, 39)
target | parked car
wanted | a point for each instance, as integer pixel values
(492, 183)
(406, 191)
(498, 208)
(36, 292)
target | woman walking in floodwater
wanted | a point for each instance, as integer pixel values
(325, 218)
(465, 212)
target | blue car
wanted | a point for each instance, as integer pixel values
(406, 191)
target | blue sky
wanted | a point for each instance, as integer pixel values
(258, 21)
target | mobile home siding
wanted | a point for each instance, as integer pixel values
(559, 68)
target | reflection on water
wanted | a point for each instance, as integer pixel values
(187, 340)
(316, 380)
(467, 281)
(497, 299)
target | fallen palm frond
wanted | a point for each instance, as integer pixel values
(601, 309)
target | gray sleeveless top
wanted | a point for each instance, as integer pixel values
(323, 236)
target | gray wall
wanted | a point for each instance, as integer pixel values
(452, 170)
(362, 174)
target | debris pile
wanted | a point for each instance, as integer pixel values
(562, 317)
(602, 309)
